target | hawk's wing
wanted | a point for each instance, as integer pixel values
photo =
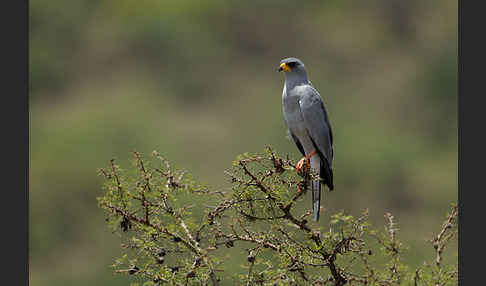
(317, 123)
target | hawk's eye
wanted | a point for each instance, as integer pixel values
(292, 64)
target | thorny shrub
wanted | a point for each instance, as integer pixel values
(170, 242)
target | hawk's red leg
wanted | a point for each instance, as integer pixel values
(304, 163)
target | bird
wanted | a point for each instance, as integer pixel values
(308, 124)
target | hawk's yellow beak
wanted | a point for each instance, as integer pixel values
(284, 67)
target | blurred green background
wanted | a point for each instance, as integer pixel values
(197, 81)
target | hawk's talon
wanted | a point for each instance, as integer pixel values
(303, 163)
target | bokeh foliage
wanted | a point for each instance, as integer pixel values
(197, 80)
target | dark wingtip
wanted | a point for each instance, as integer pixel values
(331, 187)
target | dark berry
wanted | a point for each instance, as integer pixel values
(190, 274)
(133, 270)
(161, 252)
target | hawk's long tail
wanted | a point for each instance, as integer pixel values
(316, 198)
(316, 187)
